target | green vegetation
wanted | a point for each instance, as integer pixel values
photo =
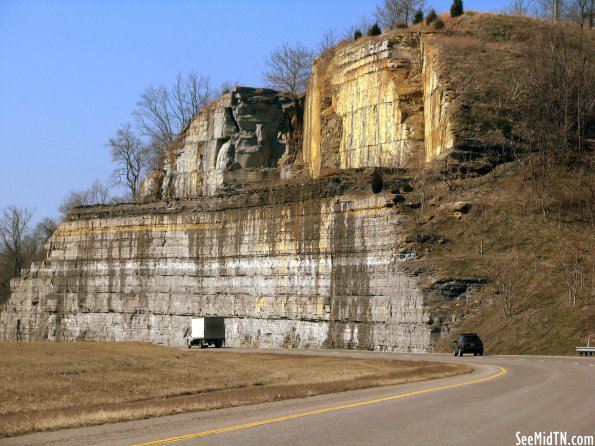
(374, 30)
(431, 16)
(418, 17)
(357, 34)
(456, 8)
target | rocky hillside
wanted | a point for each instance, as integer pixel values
(402, 200)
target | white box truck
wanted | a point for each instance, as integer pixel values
(205, 331)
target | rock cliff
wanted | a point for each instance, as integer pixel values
(243, 221)
(310, 265)
(376, 103)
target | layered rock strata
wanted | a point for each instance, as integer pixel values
(309, 266)
(376, 103)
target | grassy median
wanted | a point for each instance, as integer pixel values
(45, 386)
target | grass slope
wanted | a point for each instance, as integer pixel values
(535, 254)
(57, 385)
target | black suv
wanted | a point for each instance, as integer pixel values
(468, 343)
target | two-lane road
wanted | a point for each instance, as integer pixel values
(506, 397)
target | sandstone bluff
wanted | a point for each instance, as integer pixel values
(262, 212)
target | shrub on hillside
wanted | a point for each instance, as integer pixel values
(438, 24)
(374, 30)
(357, 34)
(377, 182)
(431, 17)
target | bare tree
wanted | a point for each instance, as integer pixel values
(188, 95)
(447, 171)
(72, 200)
(518, 7)
(98, 193)
(421, 182)
(13, 231)
(18, 245)
(329, 40)
(36, 240)
(559, 81)
(391, 14)
(478, 225)
(581, 11)
(552, 9)
(131, 157)
(161, 114)
(288, 68)
(575, 270)
(44, 230)
(507, 283)
(226, 87)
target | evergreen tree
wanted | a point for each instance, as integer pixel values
(457, 8)
(374, 30)
(357, 34)
(418, 17)
(431, 17)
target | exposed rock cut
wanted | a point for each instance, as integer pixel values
(308, 266)
(289, 264)
(376, 103)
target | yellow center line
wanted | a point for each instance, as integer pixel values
(502, 371)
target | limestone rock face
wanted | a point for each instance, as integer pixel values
(227, 143)
(377, 102)
(312, 264)
(438, 130)
(319, 271)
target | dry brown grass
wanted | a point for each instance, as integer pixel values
(543, 320)
(48, 386)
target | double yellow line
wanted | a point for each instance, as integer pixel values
(222, 430)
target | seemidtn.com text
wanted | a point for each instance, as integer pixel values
(553, 439)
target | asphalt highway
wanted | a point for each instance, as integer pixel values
(507, 400)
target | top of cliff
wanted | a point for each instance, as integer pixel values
(399, 99)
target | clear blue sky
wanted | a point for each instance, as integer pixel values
(72, 71)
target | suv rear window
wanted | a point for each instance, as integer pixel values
(470, 338)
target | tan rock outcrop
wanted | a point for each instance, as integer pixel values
(438, 133)
(376, 102)
(227, 144)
